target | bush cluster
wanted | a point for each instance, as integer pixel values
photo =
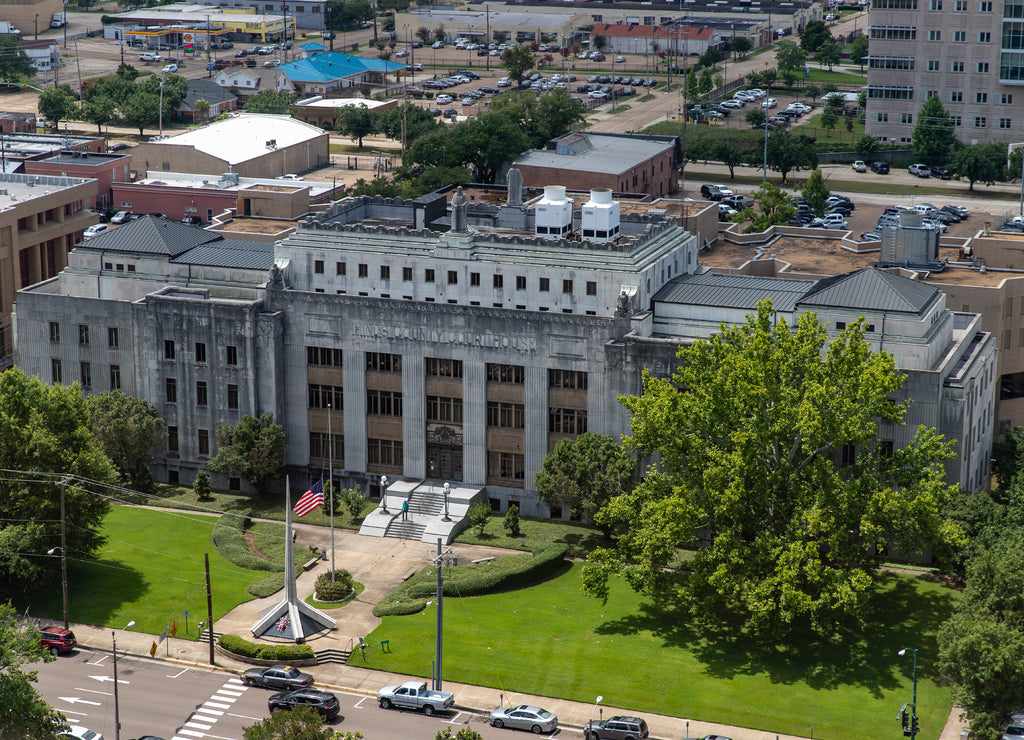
(283, 653)
(229, 539)
(504, 574)
(336, 590)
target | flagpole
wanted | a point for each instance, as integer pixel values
(330, 480)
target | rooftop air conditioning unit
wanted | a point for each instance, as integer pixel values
(553, 213)
(600, 216)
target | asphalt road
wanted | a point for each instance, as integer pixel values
(171, 701)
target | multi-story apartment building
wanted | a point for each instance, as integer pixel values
(41, 220)
(431, 341)
(969, 53)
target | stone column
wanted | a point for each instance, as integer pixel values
(354, 378)
(414, 417)
(536, 442)
(474, 422)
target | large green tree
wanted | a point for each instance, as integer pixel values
(269, 101)
(771, 462)
(582, 475)
(815, 34)
(790, 60)
(356, 121)
(741, 45)
(828, 53)
(859, 51)
(175, 88)
(771, 206)
(56, 104)
(816, 192)
(981, 647)
(518, 60)
(15, 64)
(129, 432)
(141, 110)
(301, 723)
(253, 448)
(45, 429)
(788, 152)
(934, 140)
(24, 715)
(983, 163)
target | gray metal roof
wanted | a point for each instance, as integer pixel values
(734, 291)
(240, 253)
(151, 235)
(607, 154)
(872, 289)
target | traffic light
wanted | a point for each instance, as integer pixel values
(905, 722)
(914, 727)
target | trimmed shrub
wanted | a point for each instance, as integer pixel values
(266, 586)
(283, 653)
(229, 539)
(504, 574)
(336, 590)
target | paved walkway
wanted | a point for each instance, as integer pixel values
(382, 564)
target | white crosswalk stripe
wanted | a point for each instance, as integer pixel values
(202, 720)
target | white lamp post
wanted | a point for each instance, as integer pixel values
(117, 709)
(447, 491)
(384, 494)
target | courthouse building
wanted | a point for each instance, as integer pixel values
(435, 341)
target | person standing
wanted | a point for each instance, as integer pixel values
(405, 510)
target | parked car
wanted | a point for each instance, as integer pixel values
(277, 677)
(725, 212)
(715, 192)
(294, 178)
(525, 717)
(401, 53)
(921, 170)
(882, 168)
(597, 94)
(94, 230)
(121, 217)
(831, 221)
(77, 732)
(870, 236)
(1014, 730)
(769, 103)
(415, 695)
(444, 99)
(192, 220)
(169, 68)
(859, 166)
(620, 59)
(616, 728)
(942, 173)
(323, 702)
(739, 202)
(504, 82)
(450, 113)
(57, 641)
(149, 56)
(960, 211)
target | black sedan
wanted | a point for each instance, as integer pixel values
(323, 702)
(277, 677)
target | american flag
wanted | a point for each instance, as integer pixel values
(311, 499)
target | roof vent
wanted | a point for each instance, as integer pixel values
(600, 216)
(553, 213)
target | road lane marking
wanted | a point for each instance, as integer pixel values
(216, 705)
(231, 690)
(68, 711)
(454, 719)
(183, 670)
(245, 716)
(102, 679)
(98, 662)
(214, 712)
(76, 700)
(219, 696)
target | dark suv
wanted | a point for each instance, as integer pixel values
(882, 168)
(616, 728)
(57, 641)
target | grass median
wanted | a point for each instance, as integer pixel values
(551, 640)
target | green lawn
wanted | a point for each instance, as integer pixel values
(536, 534)
(150, 570)
(660, 664)
(814, 128)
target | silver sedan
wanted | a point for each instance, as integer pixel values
(525, 717)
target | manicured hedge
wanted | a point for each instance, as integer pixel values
(283, 653)
(504, 574)
(229, 539)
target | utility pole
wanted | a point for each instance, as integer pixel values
(209, 608)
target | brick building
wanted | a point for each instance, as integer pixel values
(106, 169)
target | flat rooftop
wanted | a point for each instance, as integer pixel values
(84, 158)
(17, 188)
(213, 182)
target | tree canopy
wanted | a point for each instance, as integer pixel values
(771, 462)
(269, 101)
(356, 121)
(771, 206)
(984, 163)
(582, 475)
(518, 60)
(299, 723)
(816, 192)
(828, 53)
(788, 152)
(934, 139)
(129, 432)
(45, 429)
(859, 51)
(15, 64)
(253, 448)
(56, 104)
(24, 715)
(815, 34)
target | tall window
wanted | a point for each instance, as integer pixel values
(324, 396)
(85, 371)
(83, 333)
(567, 379)
(567, 421)
(441, 368)
(318, 447)
(232, 354)
(172, 439)
(444, 408)
(168, 349)
(204, 441)
(506, 415)
(383, 362)
(384, 452)
(232, 396)
(506, 466)
(54, 331)
(56, 371)
(323, 356)
(113, 339)
(115, 377)
(171, 390)
(497, 373)
(384, 403)
(201, 399)
(200, 352)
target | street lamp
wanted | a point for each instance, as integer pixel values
(384, 495)
(913, 703)
(597, 705)
(447, 491)
(63, 580)
(117, 711)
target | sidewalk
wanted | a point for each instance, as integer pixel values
(382, 564)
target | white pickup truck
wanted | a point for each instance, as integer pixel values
(415, 695)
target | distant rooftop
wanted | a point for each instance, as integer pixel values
(22, 145)
(17, 188)
(195, 13)
(334, 66)
(596, 152)
(244, 137)
(212, 182)
(84, 158)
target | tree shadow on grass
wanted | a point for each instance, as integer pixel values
(899, 614)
